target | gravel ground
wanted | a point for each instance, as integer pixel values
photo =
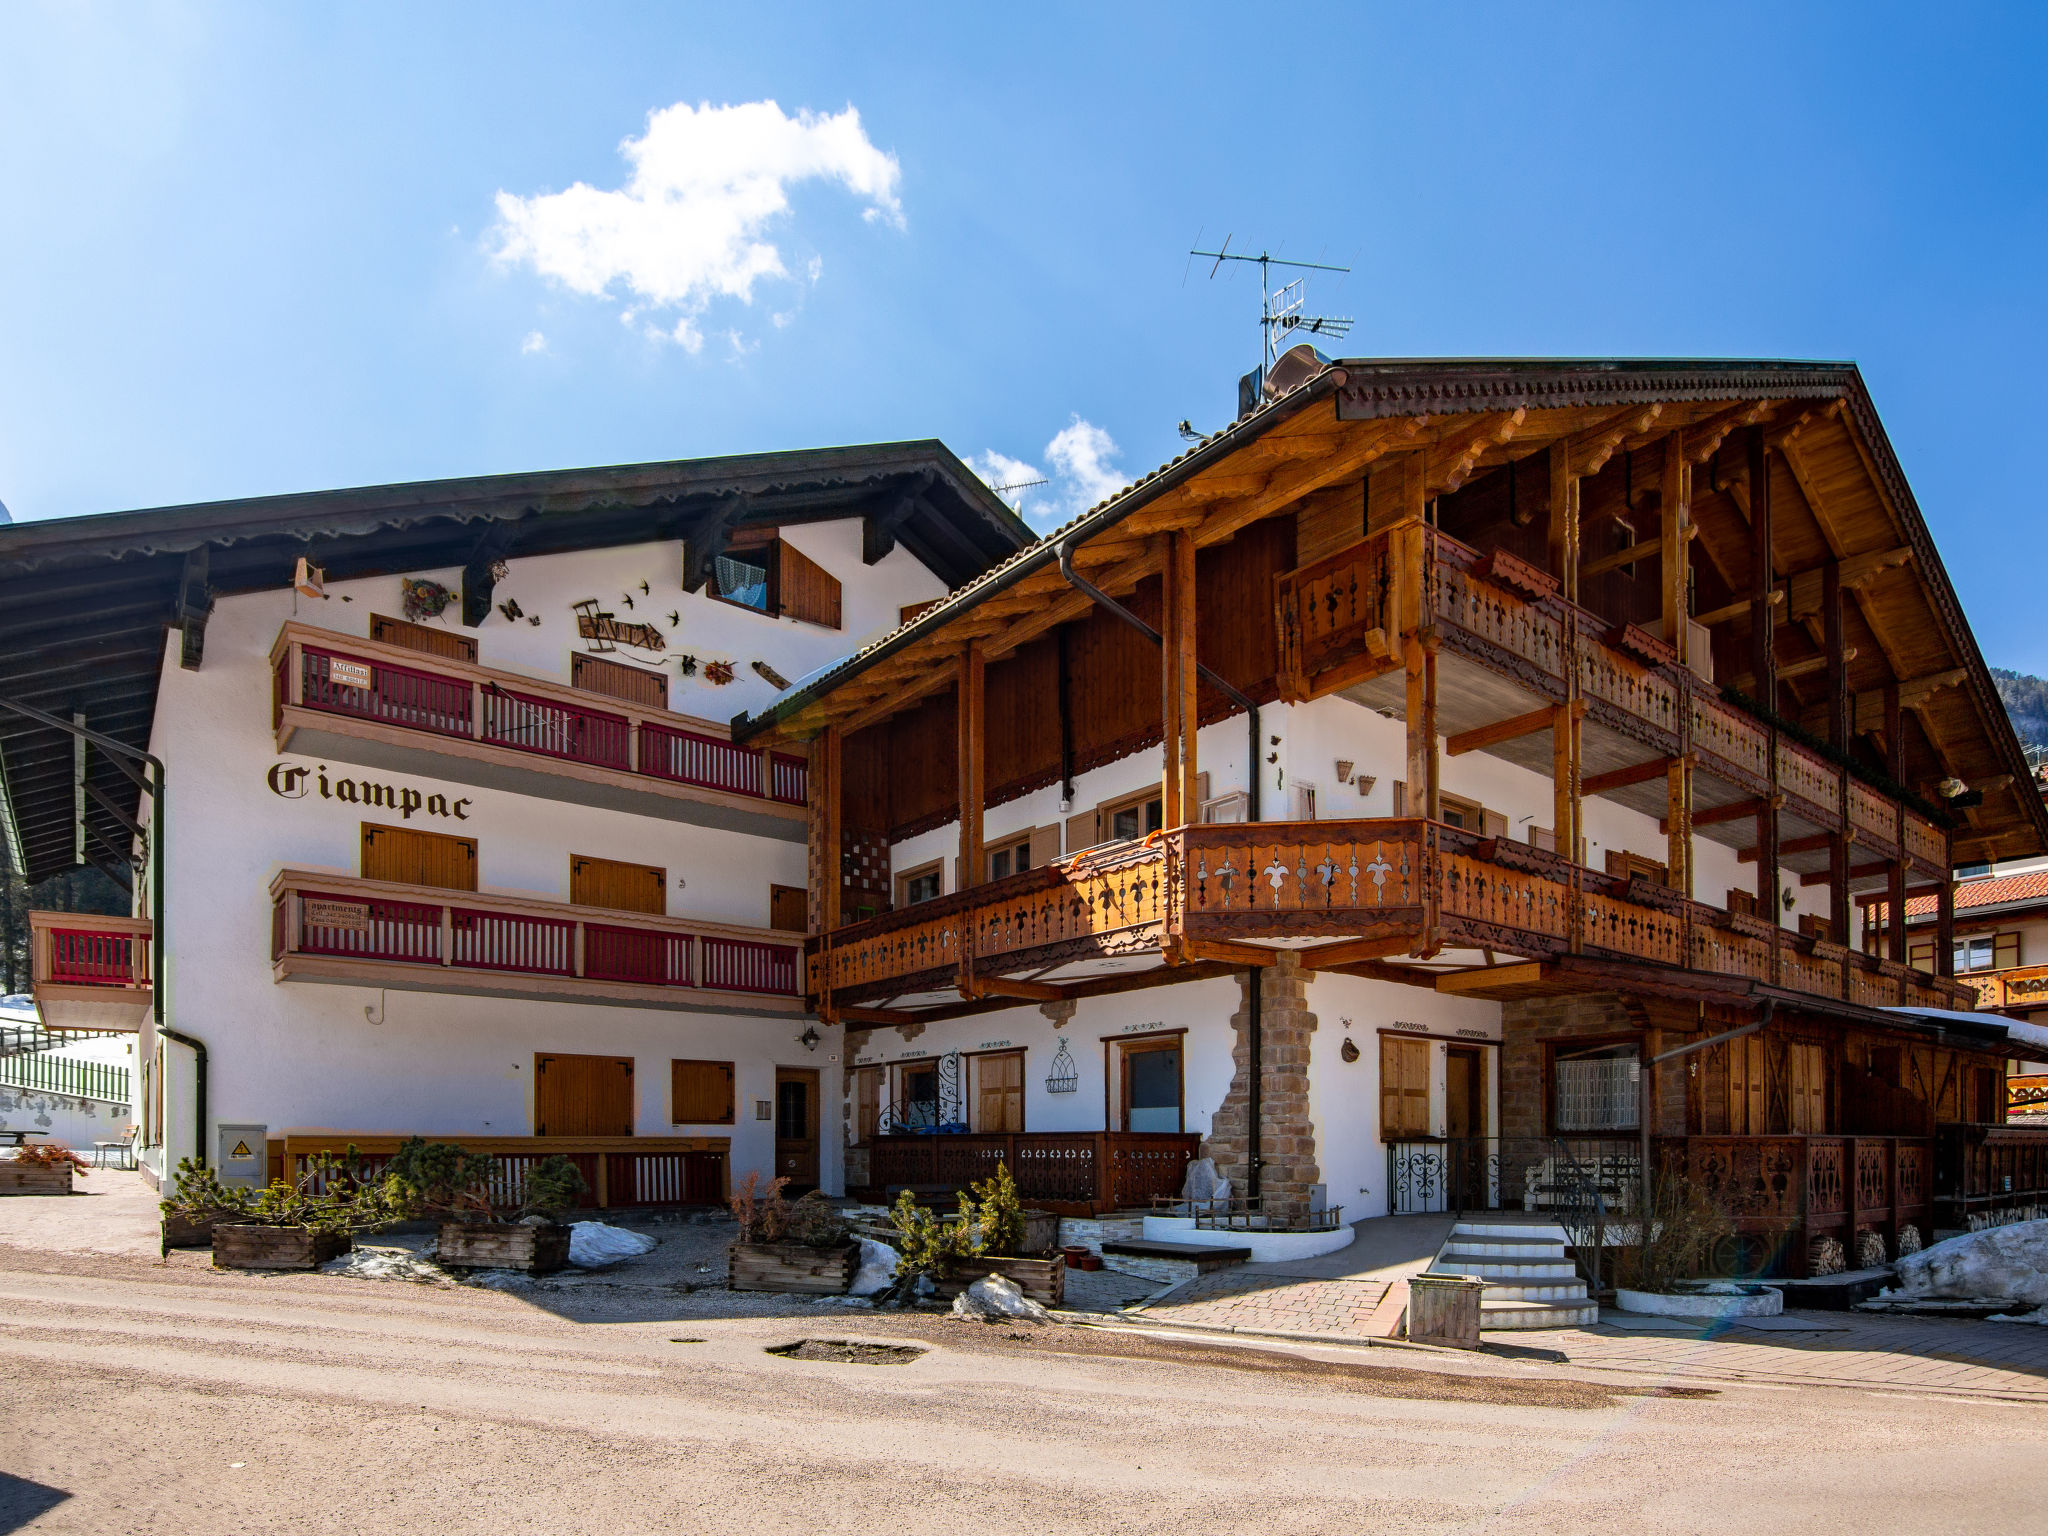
(135, 1395)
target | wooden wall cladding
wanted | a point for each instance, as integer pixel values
(902, 774)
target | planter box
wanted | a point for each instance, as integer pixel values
(1444, 1309)
(791, 1267)
(1041, 1232)
(504, 1245)
(34, 1179)
(238, 1246)
(1043, 1280)
(181, 1231)
(1719, 1301)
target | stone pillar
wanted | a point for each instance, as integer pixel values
(1288, 1138)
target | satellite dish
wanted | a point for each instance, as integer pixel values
(5, 515)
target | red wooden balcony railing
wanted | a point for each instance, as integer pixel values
(88, 958)
(326, 917)
(454, 699)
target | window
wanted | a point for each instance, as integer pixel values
(1597, 1089)
(422, 637)
(789, 908)
(999, 1092)
(1973, 872)
(1986, 952)
(1012, 858)
(1152, 1084)
(920, 884)
(700, 1092)
(1304, 800)
(407, 856)
(615, 680)
(1920, 954)
(1623, 865)
(1123, 821)
(1404, 1088)
(917, 1099)
(622, 887)
(770, 576)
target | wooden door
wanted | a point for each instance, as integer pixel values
(789, 908)
(796, 1126)
(582, 1095)
(409, 856)
(1465, 1124)
(999, 1092)
(1404, 1088)
(867, 1104)
(623, 887)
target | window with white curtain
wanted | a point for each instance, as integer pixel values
(1597, 1090)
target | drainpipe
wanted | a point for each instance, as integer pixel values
(1255, 977)
(159, 832)
(1763, 1018)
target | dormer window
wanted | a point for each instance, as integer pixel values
(769, 576)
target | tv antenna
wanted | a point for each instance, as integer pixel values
(1280, 309)
(1019, 485)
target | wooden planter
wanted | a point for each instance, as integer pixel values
(1041, 1232)
(182, 1231)
(1043, 1280)
(791, 1267)
(237, 1246)
(539, 1250)
(34, 1179)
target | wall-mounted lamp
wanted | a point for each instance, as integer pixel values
(809, 1038)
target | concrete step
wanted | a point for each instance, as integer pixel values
(1505, 1271)
(1169, 1263)
(1535, 1252)
(1545, 1231)
(1499, 1315)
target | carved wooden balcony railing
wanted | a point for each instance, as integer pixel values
(90, 971)
(1397, 878)
(1981, 1170)
(1792, 1189)
(1340, 621)
(327, 683)
(617, 1171)
(1074, 1173)
(2023, 986)
(337, 928)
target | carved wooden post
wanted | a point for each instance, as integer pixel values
(1762, 580)
(1838, 738)
(1180, 803)
(1675, 551)
(1895, 876)
(1564, 520)
(973, 671)
(1945, 916)
(826, 854)
(1678, 812)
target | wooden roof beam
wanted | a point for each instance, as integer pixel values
(1450, 462)
(1591, 449)
(1704, 438)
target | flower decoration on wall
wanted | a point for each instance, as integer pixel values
(718, 672)
(422, 599)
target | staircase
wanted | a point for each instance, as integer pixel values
(1531, 1282)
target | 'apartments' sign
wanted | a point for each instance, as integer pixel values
(289, 782)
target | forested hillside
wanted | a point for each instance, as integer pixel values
(2026, 704)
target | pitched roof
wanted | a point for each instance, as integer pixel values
(85, 601)
(1976, 895)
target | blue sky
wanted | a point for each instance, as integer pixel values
(255, 249)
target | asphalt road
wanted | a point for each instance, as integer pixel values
(135, 1397)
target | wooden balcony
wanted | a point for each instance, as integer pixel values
(362, 701)
(2017, 990)
(1323, 888)
(90, 971)
(1074, 1173)
(1508, 644)
(1785, 1191)
(336, 928)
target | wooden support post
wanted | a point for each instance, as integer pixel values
(1180, 801)
(1419, 652)
(973, 778)
(1762, 578)
(1675, 554)
(1678, 823)
(827, 856)
(1895, 910)
(1945, 925)
(1767, 858)
(1838, 738)
(1564, 520)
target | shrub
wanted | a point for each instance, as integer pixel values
(815, 1222)
(199, 1193)
(763, 1216)
(440, 1178)
(1678, 1240)
(1000, 1213)
(553, 1186)
(932, 1245)
(49, 1155)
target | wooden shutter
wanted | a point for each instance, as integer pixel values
(1400, 797)
(867, 1103)
(582, 1095)
(615, 680)
(2005, 951)
(807, 590)
(1493, 823)
(1081, 832)
(700, 1092)
(1404, 1088)
(1045, 846)
(622, 887)
(999, 1092)
(1920, 955)
(1746, 1087)
(910, 611)
(408, 856)
(789, 908)
(1806, 1091)
(422, 637)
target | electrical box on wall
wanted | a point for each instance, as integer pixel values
(244, 1157)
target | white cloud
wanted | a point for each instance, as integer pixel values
(1081, 456)
(534, 342)
(691, 223)
(1083, 473)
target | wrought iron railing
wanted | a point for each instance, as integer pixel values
(1456, 1175)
